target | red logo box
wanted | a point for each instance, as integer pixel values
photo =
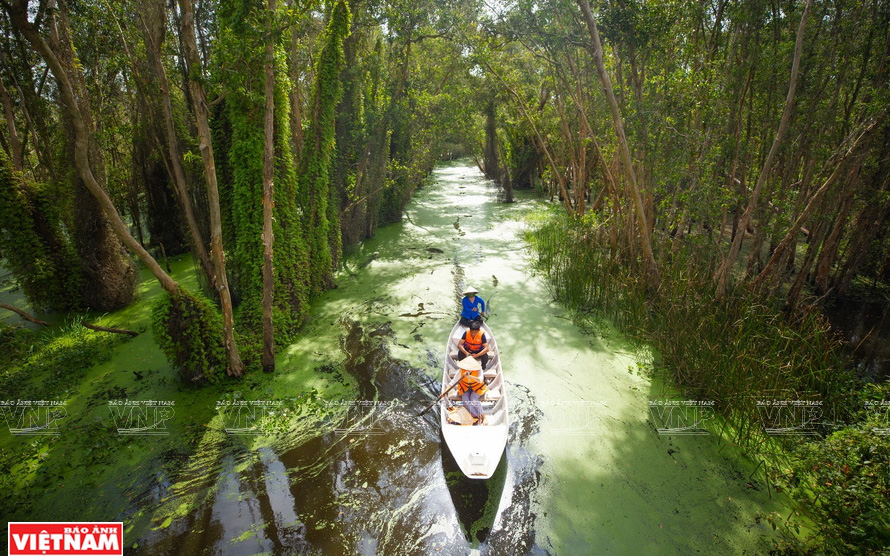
(47, 539)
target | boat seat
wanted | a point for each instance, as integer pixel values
(486, 404)
(495, 388)
(492, 395)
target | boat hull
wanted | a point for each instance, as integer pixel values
(477, 450)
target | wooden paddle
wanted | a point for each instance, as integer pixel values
(442, 395)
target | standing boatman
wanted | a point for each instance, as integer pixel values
(473, 307)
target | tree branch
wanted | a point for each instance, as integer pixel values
(24, 315)
(106, 329)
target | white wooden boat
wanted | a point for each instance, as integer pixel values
(476, 449)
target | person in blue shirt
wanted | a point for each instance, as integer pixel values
(473, 307)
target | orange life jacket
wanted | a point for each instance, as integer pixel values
(473, 342)
(472, 380)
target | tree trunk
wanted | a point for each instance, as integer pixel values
(110, 275)
(829, 251)
(24, 315)
(491, 165)
(296, 100)
(31, 103)
(866, 229)
(811, 205)
(114, 274)
(202, 120)
(560, 179)
(97, 328)
(268, 358)
(154, 32)
(623, 148)
(815, 239)
(725, 269)
(15, 143)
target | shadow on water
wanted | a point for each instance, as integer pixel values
(378, 482)
(476, 502)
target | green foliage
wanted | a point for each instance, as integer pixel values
(40, 255)
(188, 329)
(735, 351)
(844, 481)
(321, 220)
(291, 257)
(14, 340)
(241, 58)
(240, 149)
(47, 365)
(396, 193)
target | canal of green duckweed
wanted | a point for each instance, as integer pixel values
(585, 471)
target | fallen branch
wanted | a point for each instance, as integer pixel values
(112, 330)
(25, 315)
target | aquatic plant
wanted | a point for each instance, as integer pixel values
(47, 364)
(845, 480)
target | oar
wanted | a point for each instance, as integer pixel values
(442, 395)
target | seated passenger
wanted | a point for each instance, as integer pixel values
(472, 387)
(474, 343)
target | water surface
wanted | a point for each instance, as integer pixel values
(585, 471)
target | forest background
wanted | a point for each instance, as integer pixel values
(721, 170)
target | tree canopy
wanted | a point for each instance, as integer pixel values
(753, 134)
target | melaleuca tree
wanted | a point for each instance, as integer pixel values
(320, 212)
(108, 273)
(240, 62)
(291, 254)
(201, 113)
(352, 132)
(34, 243)
(239, 69)
(57, 52)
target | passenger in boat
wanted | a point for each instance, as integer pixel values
(474, 343)
(472, 387)
(473, 307)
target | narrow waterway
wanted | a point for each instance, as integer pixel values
(585, 470)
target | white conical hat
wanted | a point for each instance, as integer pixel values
(470, 364)
(470, 290)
